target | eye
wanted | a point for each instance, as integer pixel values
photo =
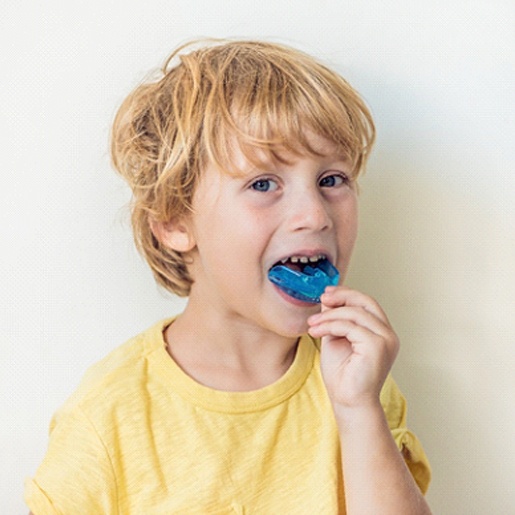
(264, 185)
(332, 181)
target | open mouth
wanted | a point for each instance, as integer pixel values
(304, 278)
(298, 263)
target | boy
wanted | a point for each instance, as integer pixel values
(242, 157)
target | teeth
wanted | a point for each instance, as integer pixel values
(303, 259)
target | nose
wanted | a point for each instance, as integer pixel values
(309, 211)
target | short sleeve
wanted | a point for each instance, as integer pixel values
(394, 405)
(76, 474)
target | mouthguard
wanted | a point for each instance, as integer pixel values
(307, 285)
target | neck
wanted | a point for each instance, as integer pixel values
(226, 352)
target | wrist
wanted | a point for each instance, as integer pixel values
(367, 416)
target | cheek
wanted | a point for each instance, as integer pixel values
(348, 229)
(353, 227)
(348, 216)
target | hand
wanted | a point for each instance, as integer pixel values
(359, 346)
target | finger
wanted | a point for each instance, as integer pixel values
(358, 315)
(344, 296)
(358, 337)
(343, 329)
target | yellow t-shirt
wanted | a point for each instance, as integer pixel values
(139, 436)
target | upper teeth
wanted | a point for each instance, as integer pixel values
(303, 259)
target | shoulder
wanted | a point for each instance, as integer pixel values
(98, 428)
(118, 374)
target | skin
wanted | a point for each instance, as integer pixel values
(241, 226)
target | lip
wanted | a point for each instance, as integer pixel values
(293, 300)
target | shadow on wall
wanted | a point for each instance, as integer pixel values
(439, 259)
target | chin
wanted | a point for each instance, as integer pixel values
(291, 328)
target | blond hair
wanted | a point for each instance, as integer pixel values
(262, 95)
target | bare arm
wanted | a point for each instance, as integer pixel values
(358, 350)
(376, 478)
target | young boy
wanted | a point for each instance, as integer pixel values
(242, 156)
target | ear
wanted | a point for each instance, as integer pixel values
(175, 234)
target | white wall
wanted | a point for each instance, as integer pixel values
(437, 246)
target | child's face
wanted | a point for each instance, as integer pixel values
(244, 225)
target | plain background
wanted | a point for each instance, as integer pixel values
(437, 242)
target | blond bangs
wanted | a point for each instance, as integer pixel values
(271, 98)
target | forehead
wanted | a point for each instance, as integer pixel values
(245, 157)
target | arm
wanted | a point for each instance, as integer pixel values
(358, 350)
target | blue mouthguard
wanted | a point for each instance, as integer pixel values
(307, 285)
